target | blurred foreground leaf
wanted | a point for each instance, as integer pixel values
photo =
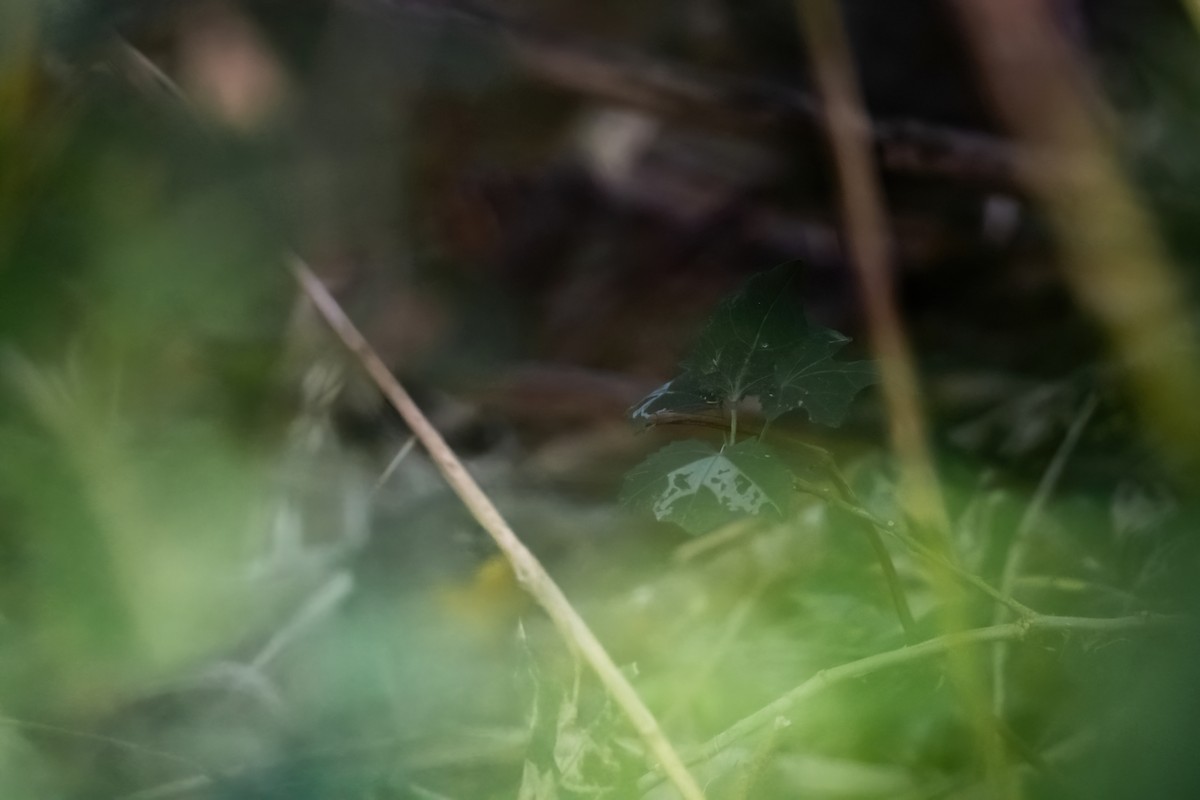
(141, 312)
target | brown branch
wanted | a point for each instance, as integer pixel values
(527, 569)
(864, 217)
(625, 76)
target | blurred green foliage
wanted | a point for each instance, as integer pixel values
(142, 303)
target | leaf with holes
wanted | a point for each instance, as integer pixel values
(700, 488)
(808, 377)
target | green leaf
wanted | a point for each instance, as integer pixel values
(758, 343)
(737, 351)
(700, 488)
(808, 377)
(680, 395)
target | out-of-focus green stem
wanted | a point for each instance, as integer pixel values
(869, 245)
(1193, 9)
(1113, 260)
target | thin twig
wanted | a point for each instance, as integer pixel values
(526, 567)
(401, 454)
(753, 771)
(899, 600)
(1045, 488)
(181, 787)
(108, 741)
(1033, 513)
(788, 704)
(918, 547)
(323, 601)
(421, 793)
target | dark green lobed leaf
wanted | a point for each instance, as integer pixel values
(808, 377)
(735, 356)
(759, 344)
